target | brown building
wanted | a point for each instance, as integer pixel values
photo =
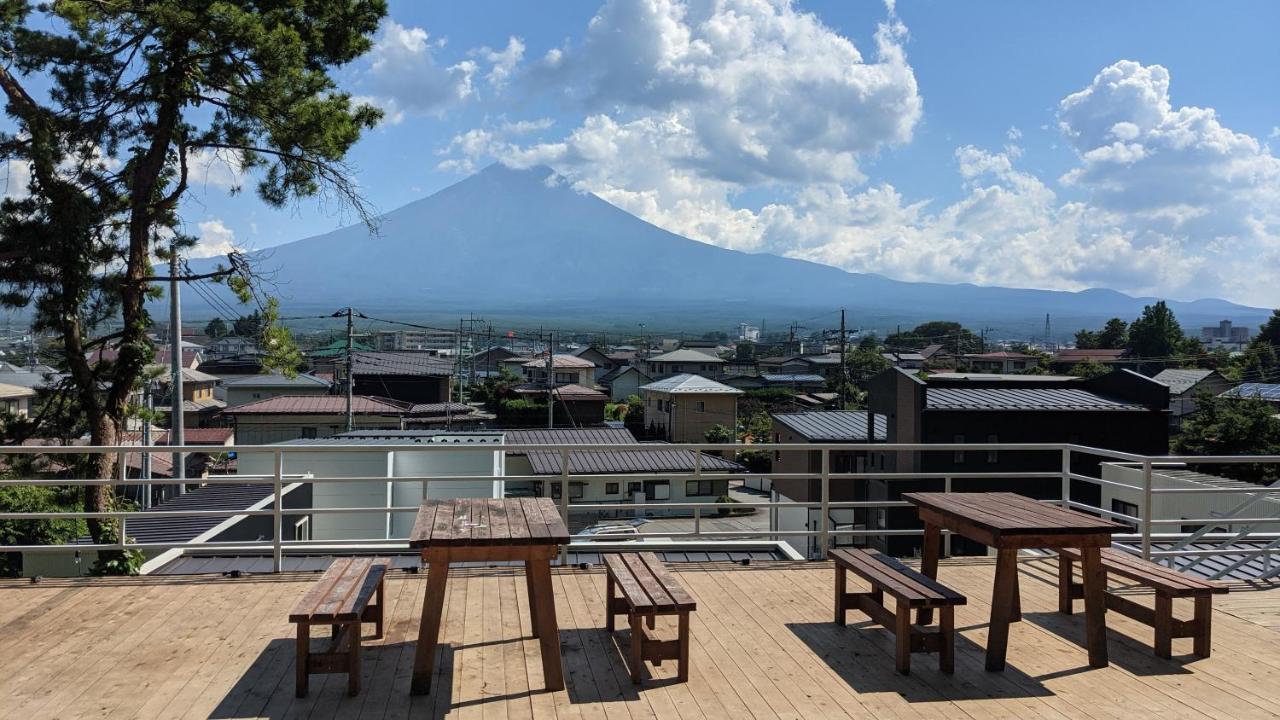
(682, 408)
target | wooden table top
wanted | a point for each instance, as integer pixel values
(1006, 514)
(484, 522)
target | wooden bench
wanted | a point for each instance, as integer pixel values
(912, 590)
(1167, 583)
(341, 599)
(648, 590)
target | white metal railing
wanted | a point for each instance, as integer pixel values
(1058, 461)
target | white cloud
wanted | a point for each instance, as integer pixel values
(213, 168)
(215, 239)
(17, 177)
(503, 62)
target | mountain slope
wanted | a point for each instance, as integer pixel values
(507, 240)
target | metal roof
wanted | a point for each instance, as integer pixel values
(400, 363)
(172, 529)
(569, 436)
(833, 425)
(560, 360)
(1031, 399)
(1266, 391)
(684, 355)
(563, 392)
(15, 391)
(1181, 380)
(797, 378)
(621, 370)
(320, 405)
(655, 457)
(689, 383)
(441, 408)
(1000, 377)
(278, 380)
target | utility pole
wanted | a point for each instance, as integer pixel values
(176, 421)
(457, 355)
(351, 367)
(551, 381)
(844, 377)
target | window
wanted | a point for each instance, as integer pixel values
(959, 454)
(695, 488)
(566, 378)
(657, 489)
(612, 488)
(634, 487)
(700, 406)
(993, 455)
(1124, 508)
(308, 433)
(576, 490)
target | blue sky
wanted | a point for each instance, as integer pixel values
(929, 141)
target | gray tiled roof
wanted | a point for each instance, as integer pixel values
(1061, 399)
(833, 425)
(1181, 380)
(168, 529)
(685, 355)
(687, 383)
(654, 457)
(400, 363)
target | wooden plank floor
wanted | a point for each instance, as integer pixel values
(764, 646)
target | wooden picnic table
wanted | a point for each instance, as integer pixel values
(1008, 522)
(528, 530)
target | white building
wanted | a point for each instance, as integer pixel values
(1174, 506)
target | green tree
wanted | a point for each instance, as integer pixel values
(23, 499)
(719, 434)
(1233, 426)
(1156, 334)
(863, 364)
(1088, 369)
(1087, 339)
(216, 328)
(248, 326)
(869, 342)
(1114, 335)
(745, 352)
(633, 420)
(952, 336)
(110, 105)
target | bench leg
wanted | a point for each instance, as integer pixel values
(637, 648)
(1095, 606)
(929, 565)
(1064, 585)
(378, 616)
(947, 646)
(651, 621)
(682, 673)
(902, 634)
(303, 660)
(1164, 626)
(353, 660)
(1204, 625)
(841, 584)
(608, 602)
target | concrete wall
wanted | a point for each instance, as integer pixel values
(336, 526)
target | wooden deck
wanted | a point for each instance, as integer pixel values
(763, 646)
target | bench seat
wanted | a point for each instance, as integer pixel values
(911, 590)
(343, 598)
(1167, 583)
(648, 590)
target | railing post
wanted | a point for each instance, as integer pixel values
(277, 515)
(946, 535)
(564, 499)
(1066, 477)
(824, 527)
(697, 522)
(1147, 514)
(121, 477)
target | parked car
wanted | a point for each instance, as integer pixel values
(610, 533)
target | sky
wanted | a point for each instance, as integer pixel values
(1127, 145)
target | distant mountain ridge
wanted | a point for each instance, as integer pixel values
(519, 242)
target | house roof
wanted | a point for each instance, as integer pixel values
(1000, 377)
(1031, 399)
(338, 348)
(687, 355)
(1266, 391)
(656, 457)
(441, 408)
(1181, 380)
(1102, 355)
(188, 376)
(171, 528)
(9, 392)
(320, 405)
(998, 355)
(560, 360)
(621, 370)
(400, 363)
(190, 356)
(196, 406)
(823, 359)
(577, 393)
(929, 351)
(689, 383)
(279, 380)
(833, 425)
(797, 378)
(190, 436)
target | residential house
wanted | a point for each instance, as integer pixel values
(1121, 411)
(489, 361)
(654, 460)
(624, 381)
(682, 408)
(232, 367)
(597, 357)
(575, 406)
(683, 360)
(1185, 384)
(199, 406)
(823, 427)
(248, 388)
(191, 356)
(412, 376)
(999, 362)
(904, 359)
(825, 364)
(1064, 360)
(1123, 493)
(567, 370)
(16, 400)
(230, 346)
(304, 417)
(1269, 392)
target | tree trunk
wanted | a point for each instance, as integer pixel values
(97, 498)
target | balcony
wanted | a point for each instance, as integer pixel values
(764, 646)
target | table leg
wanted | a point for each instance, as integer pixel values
(1095, 605)
(424, 656)
(929, 565)
(533, 599)
(548, 633)
(1001, 607)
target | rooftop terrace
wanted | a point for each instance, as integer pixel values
(763, 646)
